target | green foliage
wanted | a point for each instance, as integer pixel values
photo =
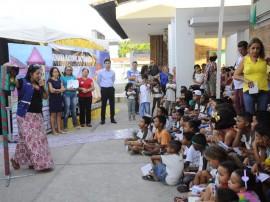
(126, 46)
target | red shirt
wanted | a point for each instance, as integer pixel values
(85, 84)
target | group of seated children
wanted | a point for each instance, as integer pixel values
(209, 151)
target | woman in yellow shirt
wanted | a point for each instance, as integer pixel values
(252, 70)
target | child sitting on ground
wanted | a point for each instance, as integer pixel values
(161, 139)
(192, 157)
(182, 123)
(225, 169)
(162, 111)
(167, 168)
(243, 182)
(143, 134)
(199, 143)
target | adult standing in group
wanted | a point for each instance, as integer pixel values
(153, 70)
(86, 86)
(32, 148)
(164, 78)
(254, 68)
(210, 75)
(56, 89)
(106, 79)
(238, 85)
(139, 80)
(132, 75)
(70, 98)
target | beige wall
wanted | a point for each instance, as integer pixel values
(203, 46)
(262, 33)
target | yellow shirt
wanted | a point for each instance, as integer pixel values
(256, 72)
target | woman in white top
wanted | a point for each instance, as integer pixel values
(198, 76)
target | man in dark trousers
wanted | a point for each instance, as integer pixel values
(106, 78)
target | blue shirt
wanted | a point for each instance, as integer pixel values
(106, 78)
(132, 72)
(163, 78)
(64, 79)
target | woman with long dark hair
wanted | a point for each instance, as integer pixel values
(70, 98)
(32, 148)
(86, 86)
(56, 89)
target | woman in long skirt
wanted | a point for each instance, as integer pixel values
(32, 149)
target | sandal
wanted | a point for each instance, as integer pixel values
(31, 167)
(148, 178)
(182, 188)
(14, 164)
(180, 199)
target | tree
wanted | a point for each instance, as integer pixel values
(126, 46)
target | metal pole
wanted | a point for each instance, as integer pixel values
(10, 135)
(220, 31)
(3, 82)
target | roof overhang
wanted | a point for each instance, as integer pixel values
(108, 12)
(143, 18)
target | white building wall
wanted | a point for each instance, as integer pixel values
(231, 45)
(231, 50)
(170, 45)
(243, 35)
(173, 47)
(184, 43)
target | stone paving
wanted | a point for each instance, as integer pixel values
(91, 164)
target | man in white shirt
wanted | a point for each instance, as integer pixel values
(238, 85)
(106, 79)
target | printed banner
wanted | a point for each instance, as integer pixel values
(80, 58)
(23, 55)
(58, 56)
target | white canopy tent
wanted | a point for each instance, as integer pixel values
(51, 20)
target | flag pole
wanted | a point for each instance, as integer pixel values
(220, 31)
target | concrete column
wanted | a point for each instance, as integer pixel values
(231, 45)
(184, 48)
(243, 35)
(231, 49)
(171, 44)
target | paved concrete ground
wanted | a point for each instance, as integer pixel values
(95, 172)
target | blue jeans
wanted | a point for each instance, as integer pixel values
(260, 98)
(159, 171)
(70, 103)
(144, 106)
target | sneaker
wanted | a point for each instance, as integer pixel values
(62, 132)
(78, 127)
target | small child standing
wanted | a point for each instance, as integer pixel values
(170, 94)
(156, 94)
(144, 96)
(167, 168)
(131, 94)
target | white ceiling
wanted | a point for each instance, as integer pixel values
(142, 23)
